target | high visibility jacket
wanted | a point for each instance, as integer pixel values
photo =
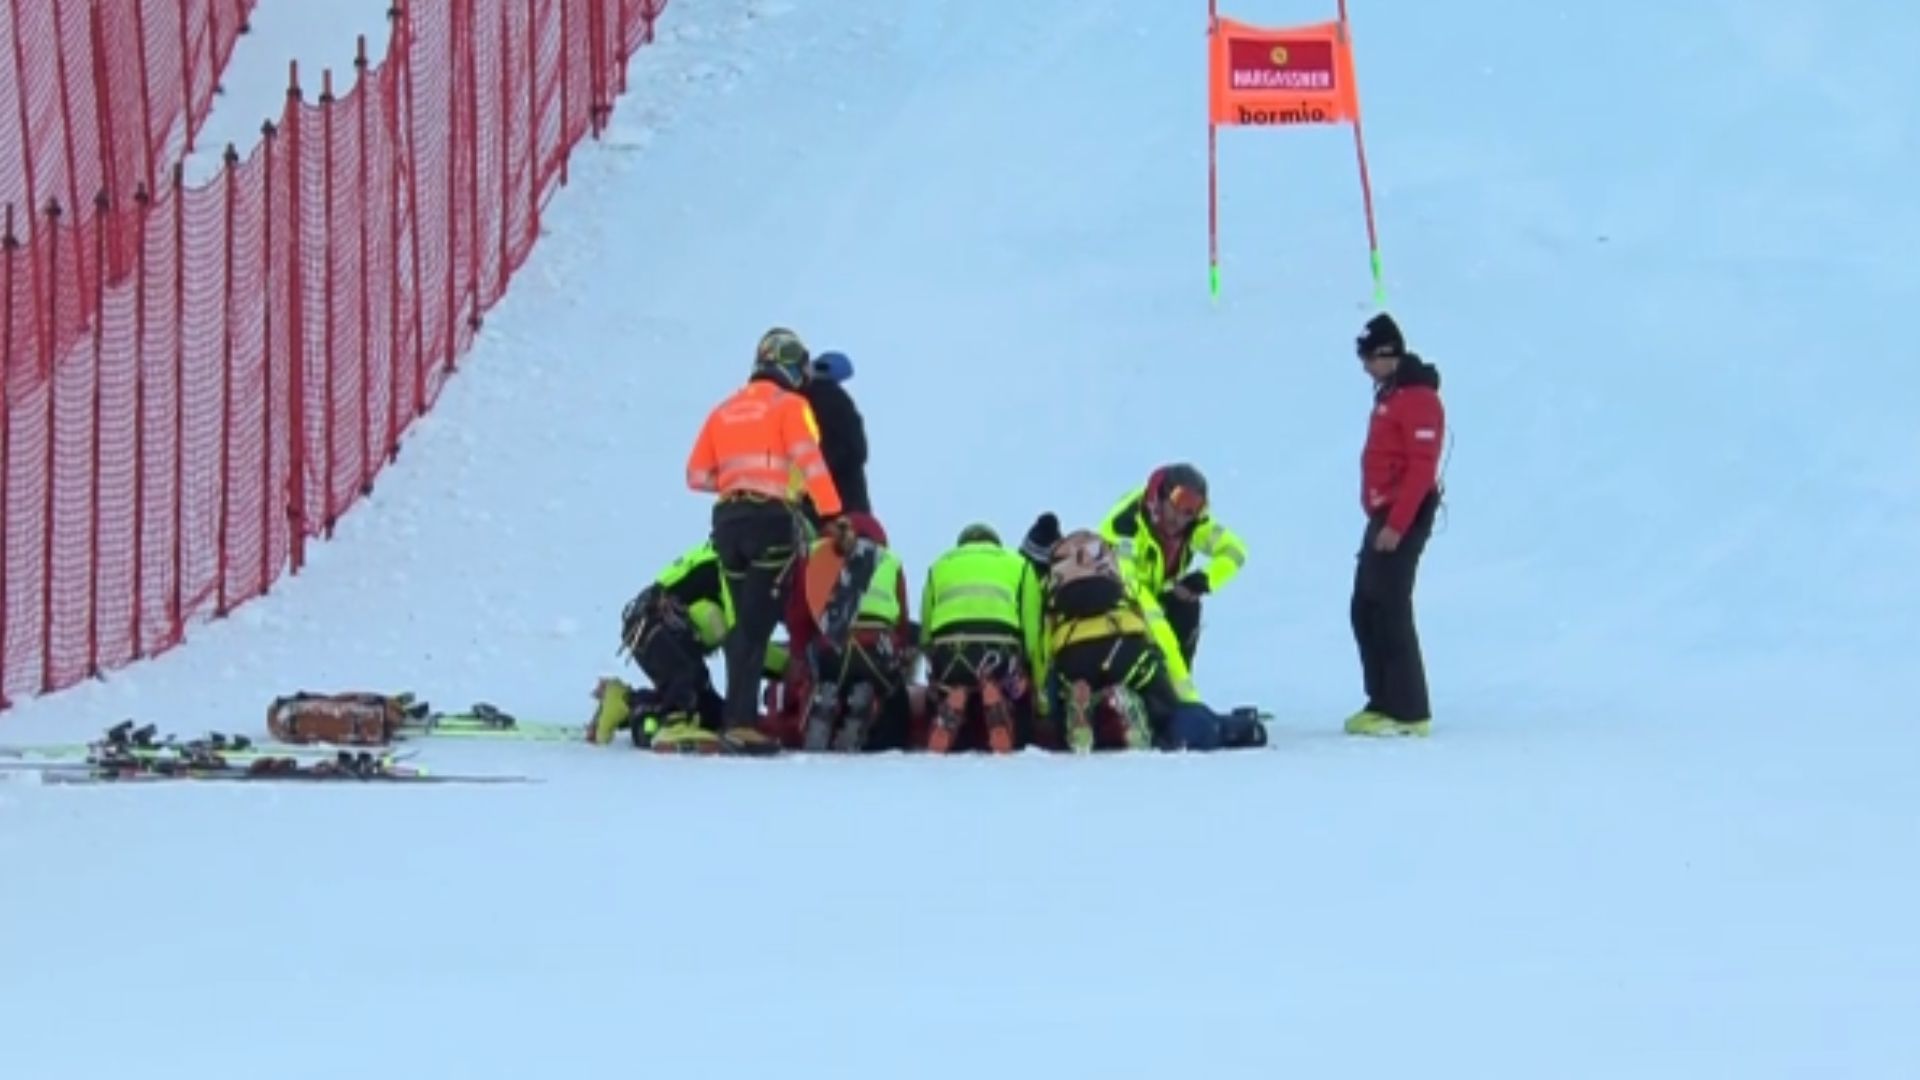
(1138, 615)
(1154, 565)
(981, 591)
(695, 579)
(762, 441)
(1168, 643)
(803, 627)
(880, 604)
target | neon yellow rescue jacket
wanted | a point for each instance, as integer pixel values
(696, 580)
(1132, 536)
(1140, 615)
(1151, 574)
(981, 591)
(880, 604)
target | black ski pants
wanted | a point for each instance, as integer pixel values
(864, 662)
(755, 540)
(1383, 627)
(1183, 618)
(673, 661)
(1130, 660)
(971, 662)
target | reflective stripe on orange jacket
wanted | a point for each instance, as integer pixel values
(762, 441)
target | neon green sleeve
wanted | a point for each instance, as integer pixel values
(1039, 649)
(1168, 643)
(1226, 553)
(686, 563)
(1110, 525)
(1032, 612)
(926, 609)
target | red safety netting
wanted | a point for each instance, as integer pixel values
(99, 95)
(197, 380)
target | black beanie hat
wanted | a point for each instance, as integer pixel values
(1038, 546)
(1381, 333)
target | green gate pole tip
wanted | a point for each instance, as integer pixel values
(1379, 285)
(1213, 280)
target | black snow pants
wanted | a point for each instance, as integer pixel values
(1130, 660)
(865, 663)
(1383, 626)
(1183, 618)
(673, 661)
(755, 540)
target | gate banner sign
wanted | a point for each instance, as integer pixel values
(1301, 75)
(1260, 76)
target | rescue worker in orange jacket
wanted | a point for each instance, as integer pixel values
(759, 451)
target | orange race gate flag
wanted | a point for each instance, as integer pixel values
(1278, 77)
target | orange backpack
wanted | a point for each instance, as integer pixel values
(354, 718)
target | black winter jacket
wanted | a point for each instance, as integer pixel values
(843, 442)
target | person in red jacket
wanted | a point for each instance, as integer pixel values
(1400, 492)
(858, 695)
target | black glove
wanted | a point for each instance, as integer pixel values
(1196, 583)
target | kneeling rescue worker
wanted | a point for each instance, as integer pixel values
(980, 617)
(1158, 529)
(1101, 644)
(669, 630)
(759, 452)
(859, 681)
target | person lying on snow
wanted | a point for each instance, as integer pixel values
(670, 630)
(857, 696)
(980, 623)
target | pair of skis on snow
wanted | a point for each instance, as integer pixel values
(484, 721)
(129, 754)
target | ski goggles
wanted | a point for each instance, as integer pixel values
(1182, 506)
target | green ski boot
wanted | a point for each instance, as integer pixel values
(610, 715)
(1381, 726)
(1133, 712)
(1080, 718)
(681, 733)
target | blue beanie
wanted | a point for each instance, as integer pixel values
(833, 367)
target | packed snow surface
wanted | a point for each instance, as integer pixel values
(1667, 824)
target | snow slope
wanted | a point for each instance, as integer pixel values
(1648, 245)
